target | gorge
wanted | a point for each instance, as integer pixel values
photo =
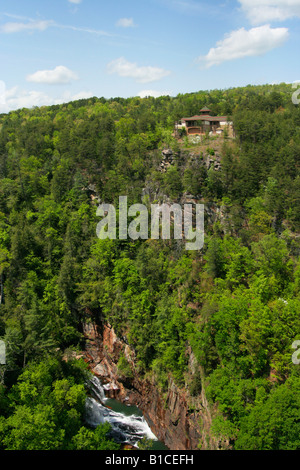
(200, 341)
(128, 426)
(175, 418)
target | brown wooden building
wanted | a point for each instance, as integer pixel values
(202, 123)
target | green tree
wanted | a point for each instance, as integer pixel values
(273, 424)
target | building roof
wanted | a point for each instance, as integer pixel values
(217, 118)
(204, 109)
(205, 117)
(194, 118)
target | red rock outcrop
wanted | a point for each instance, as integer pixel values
(178, 420)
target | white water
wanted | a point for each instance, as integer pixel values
(97, 389)
(125, 428)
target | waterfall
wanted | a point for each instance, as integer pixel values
(97, 389)
(126, 428)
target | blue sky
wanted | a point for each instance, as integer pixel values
(59, 50)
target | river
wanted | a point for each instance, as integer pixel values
(128, 423)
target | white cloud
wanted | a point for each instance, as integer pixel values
(125, 23)
(143, 74)
(264, 11)
(242, 43)
(75, 1)
(16, 98)
(14, 27)
(154, 93)
(97, 32)
(2, 93)
(30, 25)
(81, 95)
(59, 75)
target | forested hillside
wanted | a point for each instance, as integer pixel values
(235, 303)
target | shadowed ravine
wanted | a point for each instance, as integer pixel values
(128, 423)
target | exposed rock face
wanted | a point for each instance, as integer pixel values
(208, 161)
(168, 159)
(180, 421)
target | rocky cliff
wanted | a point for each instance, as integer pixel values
(179, 420)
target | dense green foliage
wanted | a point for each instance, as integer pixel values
(235, 303)
(44, 410)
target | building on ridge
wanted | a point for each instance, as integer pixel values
(203, 123)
